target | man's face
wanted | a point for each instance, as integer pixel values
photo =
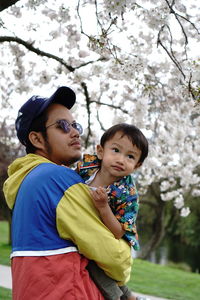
(60, 147)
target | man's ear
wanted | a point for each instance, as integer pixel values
(37, 140)
(99, 152)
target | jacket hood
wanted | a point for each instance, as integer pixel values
(17, 171)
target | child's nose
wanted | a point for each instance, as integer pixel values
(120, 159)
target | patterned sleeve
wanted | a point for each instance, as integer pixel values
(87, 166)
(124, 202)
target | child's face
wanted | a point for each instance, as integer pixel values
(119, 156)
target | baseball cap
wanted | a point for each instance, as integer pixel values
(31, 109)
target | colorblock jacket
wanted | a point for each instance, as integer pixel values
(53, 214)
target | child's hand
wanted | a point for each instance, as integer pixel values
(99, 197)
(100, 200)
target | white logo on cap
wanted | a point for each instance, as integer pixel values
(38, 97)
(20, 114)
(35, 98)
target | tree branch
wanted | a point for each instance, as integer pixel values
(178, 18)
(172, 11)
(169, 53)
(6, 3)
(39, 52)
(90, 62)
(31, 48)
(100, 123)
(87, 98)
(110, 105)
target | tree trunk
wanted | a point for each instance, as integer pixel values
(158, 231)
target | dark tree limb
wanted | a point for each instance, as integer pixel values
(6, 3)
(170, 52)
(111, 105)
(87, 99)
(179, 18)
(29, 46)
(100, 123)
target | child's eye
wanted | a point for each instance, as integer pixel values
(115, 150)
(131, 156)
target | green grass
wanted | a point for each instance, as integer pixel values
(146, 278)
(5, 294)
(163, 281)
(5, 249)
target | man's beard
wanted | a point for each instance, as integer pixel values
(67, 163)
(73, 160)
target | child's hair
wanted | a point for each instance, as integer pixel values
(134, 134)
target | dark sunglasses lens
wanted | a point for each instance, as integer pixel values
(64, 125)
(78, 127)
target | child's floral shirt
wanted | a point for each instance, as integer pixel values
(123, 198)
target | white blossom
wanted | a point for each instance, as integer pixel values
(45, 77)
(185, 211)
(179, 201)
(196, 193)
(16, 11)
(165, 185)
(83, 53)
(169, 195)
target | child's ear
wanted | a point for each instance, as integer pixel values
(99, 152)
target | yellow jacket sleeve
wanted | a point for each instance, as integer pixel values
(79, 221)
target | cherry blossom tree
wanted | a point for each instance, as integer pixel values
(128, 61)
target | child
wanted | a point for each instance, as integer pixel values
(122, 149)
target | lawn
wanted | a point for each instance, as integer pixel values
(146, 277)
(5, 294)
(5, 249)
(163, 281)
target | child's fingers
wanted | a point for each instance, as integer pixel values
(101, 190)
(95, 195)
(99, 196)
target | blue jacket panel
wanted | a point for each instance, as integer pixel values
(34, 214)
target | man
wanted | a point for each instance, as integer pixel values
(55, 227)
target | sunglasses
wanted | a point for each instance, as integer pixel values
(66, 126)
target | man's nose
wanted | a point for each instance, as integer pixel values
(74, 131)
